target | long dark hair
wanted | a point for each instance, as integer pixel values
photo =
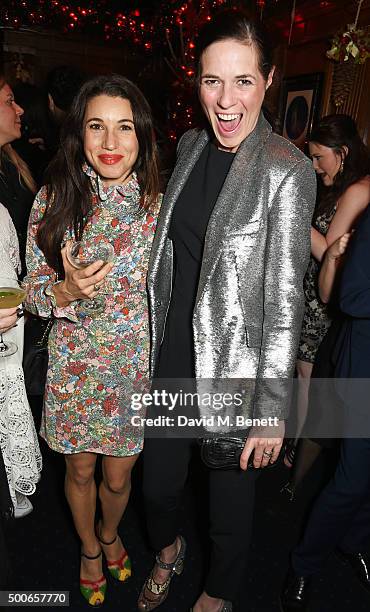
(339, 132)
(237, 25)
(69, 189)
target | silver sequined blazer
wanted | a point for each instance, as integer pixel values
(249, 306)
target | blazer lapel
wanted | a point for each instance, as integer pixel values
(242, 169)
(177, 181)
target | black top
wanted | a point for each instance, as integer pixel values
(187, 230)
(18, 199)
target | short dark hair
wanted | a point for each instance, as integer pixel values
(68, 186)
(337, 132)
(237, 25)
(63, 83)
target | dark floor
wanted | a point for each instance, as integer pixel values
(45, 555)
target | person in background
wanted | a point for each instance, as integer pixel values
(342, 163)
(102, 189)
(18, 439)
(62, 85)
(17, 187)
(225, 284)
(35, 142)
(340, 519)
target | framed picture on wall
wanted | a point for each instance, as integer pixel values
(300, 101)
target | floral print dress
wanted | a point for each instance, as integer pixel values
(316, 318)
(97, 361)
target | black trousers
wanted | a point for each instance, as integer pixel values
(341, 515)
(231, 498)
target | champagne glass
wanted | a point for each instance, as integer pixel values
(82, 254)
(11, 295)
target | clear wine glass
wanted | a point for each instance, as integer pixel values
(82, 254)
(11, 295)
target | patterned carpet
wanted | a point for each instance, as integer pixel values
(45, 555)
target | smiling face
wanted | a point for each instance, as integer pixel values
(232, 90)
(326, 162)
(10, 116)
(110, 143)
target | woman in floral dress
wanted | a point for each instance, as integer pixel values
(103, 186)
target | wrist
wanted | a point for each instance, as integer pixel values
(333, 257)
(60, 296)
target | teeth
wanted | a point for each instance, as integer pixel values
(228, 117)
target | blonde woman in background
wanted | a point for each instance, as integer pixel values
(17, 187)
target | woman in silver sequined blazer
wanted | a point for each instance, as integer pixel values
(247, 306)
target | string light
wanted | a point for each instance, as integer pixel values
(169, 28)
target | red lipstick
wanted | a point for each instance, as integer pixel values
(110, 160)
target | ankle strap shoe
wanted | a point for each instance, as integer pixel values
(154, 593)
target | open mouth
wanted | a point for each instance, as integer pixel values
(229, 122)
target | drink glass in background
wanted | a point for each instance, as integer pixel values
(82, 254)
(11, 296)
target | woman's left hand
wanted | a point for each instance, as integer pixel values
(266, 443)
(339, 246)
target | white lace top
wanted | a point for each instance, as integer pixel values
(18, 438)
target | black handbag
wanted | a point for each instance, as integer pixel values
(223, 453)
(36, 354)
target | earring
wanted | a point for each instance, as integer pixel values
(341, 167)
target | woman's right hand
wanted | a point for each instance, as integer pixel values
(339, 246)
(80, 284)
(8, 318)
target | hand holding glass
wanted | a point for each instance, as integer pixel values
(11, 296)
(81, 255)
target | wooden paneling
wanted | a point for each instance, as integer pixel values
(315, 25)
(43, 50)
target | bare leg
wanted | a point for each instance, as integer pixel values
(80, 492)
(114, 492)
(304, 371)
(307, 453)
(206, 603)
(167, 555)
